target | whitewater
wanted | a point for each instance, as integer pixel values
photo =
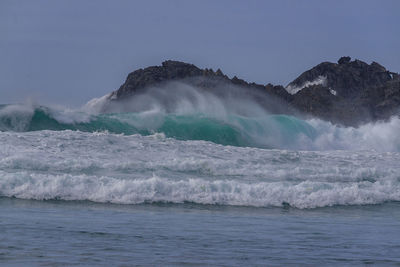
(147, 157)
(210, 180)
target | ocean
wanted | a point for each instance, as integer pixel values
(79, 187)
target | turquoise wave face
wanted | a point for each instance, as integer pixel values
(267, 131)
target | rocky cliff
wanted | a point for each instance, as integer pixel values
(347, 92)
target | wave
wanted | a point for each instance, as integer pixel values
(133, 169)
(306, 194)
(266, 131)
(232, 130)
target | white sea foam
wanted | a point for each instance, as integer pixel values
(380, 136)
(305, 194)
(332, 166)
(135, 169)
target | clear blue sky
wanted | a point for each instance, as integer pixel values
(69, 51)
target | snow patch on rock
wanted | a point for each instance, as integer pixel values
(293, 89)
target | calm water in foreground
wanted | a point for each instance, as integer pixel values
(56, 233)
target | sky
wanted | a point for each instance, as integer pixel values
(69, 51)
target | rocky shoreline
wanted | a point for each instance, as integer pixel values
(348, 92)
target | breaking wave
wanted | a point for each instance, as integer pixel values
(133, 169)
(307, 194)
(235, 130)
(265, 131)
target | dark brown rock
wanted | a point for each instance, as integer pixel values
(363, 92)
(344, 60)
(350, 92)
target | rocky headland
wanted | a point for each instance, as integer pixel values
(347, 92)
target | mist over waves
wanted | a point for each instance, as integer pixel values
(227, 116)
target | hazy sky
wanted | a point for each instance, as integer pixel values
(68, 52)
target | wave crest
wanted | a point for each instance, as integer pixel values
(267, 131)
(306, 194)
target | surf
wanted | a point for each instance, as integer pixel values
(135, 169)
(262, 130)
(233, 130)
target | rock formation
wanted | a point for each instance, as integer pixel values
(352, 92)
(347, 92)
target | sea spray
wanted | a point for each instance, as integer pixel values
(104, 167)
(266, 131)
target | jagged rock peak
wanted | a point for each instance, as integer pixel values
(347, 92)
(347, 77)
(344, 60)
(172, 64)
(176, 70)
(169, 70)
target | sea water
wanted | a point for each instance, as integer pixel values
(156, 188)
